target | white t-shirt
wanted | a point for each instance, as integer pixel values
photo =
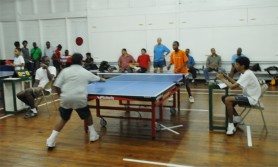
(41, 75)
(49, 53)
(18, 61)
(250, 86)
(73, 83)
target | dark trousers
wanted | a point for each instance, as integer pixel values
(36, 66)
(193, 71)
(68, 64)
(28, 96)
(57, 64)
(29, 66)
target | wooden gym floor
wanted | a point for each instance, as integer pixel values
(22, 141)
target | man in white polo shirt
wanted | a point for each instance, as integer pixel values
(71, 85)
(44, 74)
(251, 91)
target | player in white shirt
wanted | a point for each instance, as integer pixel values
(71, 85)
(44, 74)
(19, 62)
(251, 91)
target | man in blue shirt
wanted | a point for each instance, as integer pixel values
(160, 52)
(234, 57)
(190, 65)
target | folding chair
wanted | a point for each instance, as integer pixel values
(44, 96)
(258, 106)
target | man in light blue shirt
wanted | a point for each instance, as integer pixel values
(160, 52)
(234, 57)
(190, 65)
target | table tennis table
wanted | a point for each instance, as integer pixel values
(5, 74)
(153, 88)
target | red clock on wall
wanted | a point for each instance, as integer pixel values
(79, 41)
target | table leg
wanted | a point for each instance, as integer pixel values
(226, 120)
(98, 107)
(174, 100)
(179, 99)
(161, 112)
(153, 120)
(128, 104)
(211, 115)
(210, 108)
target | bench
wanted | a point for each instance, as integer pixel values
(225, 64)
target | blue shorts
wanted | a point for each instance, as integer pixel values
(159, 64)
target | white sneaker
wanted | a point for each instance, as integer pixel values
(136, 68)
(191, 99)
(237, 119)
(50, 143)
(231, 130)
(94, 136)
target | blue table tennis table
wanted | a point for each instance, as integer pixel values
(6, 74)
(153, 88)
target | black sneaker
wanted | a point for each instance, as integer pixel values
(30, 115)
(28, 111)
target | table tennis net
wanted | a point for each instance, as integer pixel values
(147, 78)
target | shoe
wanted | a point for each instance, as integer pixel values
(237, 119)
(136, 68)
(231, 130)
(191, 99)
(193, 80)
(30, 115)
(94, 136)
(50, 143)
(28, 112)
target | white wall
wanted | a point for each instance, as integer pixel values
(55, 32)
(7, 10)
(29, 31)
(198, 25)
(1, 42)
(10, 35)
(107, 26)
(78, 28)
(57, 21)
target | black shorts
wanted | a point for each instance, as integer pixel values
(83, 113)
(239, 100)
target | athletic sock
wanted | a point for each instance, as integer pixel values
(92, 129)
(53, 135)
(231, 125)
